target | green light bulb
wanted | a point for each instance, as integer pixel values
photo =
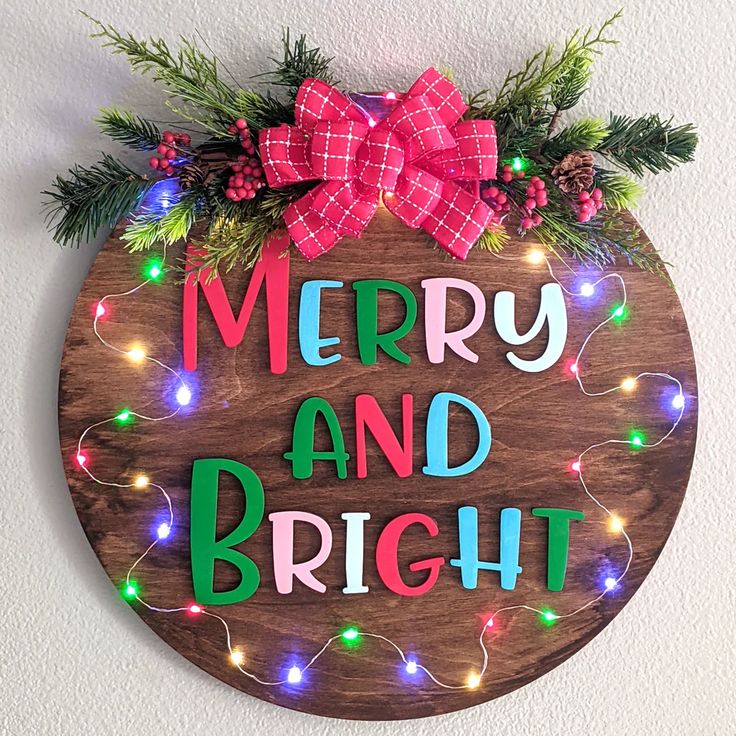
(517, 164)
(350, 634)
(548, 617)
(154, 271)
(619, 312)
(123, 417)
(637, 439)
(130, 590)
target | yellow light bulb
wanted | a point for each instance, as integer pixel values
(136, 354)
(535, 257)
(236, 658)
(616, 524)
(473, 680)
(628, 384)
(141, 481)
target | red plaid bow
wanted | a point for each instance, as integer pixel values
(413, 157)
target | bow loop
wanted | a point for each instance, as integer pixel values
(417, 194)
(317, 100)
(312, 235)
(285, 156)
(443, 95)
(380, 159)
(420, 126)
(333, 148)
(458, 220)
(473, 157)
(345, 206)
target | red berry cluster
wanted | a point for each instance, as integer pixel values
(497, 201)
(536, 194)
(240, 128)
(167, 150)
(589, 203)
(246, 179)
(507, 173)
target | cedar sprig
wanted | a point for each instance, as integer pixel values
(129, 129)
(299, 62)
(545, 85)
(647, 143)
(198, 92)
(91, 197)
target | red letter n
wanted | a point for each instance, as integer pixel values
(275, 270)
(368, 415)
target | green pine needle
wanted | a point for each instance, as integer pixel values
(128, 129)
(299, 63)
(582, 135)
(92, 197)
(647, 143)
(619, 191)
(493, 240)
(149, 229)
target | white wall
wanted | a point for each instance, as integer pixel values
(73, 659)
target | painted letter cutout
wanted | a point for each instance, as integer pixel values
(284, 567)
(368, 415)
(205, 549)
(469, 564)
(551, 310)
(310, 343)
(302, 453)
(435, 314)
(558, 542)
(354, 552)
(271, 267)
(437, 430)
(366, 305)
(387, 555)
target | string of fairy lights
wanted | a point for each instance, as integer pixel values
(293, 671)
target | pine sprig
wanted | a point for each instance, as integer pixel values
(193, 77)
(151, 228)
(493, 240)
(619, 191)
(647, 143)
(532, 97)
(128, 129)
(298, 63)
(584, 134)
(89, 198)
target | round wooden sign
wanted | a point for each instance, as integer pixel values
(462, 498)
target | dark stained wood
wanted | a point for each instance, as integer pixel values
(241, 411)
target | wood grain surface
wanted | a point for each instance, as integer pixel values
(241, 411)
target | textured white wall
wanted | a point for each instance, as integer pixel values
(73, 658)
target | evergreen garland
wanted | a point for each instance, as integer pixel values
(202, 92)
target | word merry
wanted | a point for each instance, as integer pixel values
(206, 549)
(273, 270)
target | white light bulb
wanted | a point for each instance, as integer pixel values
(183, 396)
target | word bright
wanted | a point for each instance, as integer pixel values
(206, 549)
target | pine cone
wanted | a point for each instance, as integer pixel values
(575, 172)
(190, 175)
(205, 168)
